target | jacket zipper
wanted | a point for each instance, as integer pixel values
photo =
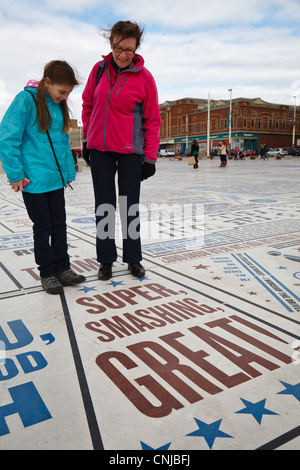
(107, 103)
(104, 129)
(121, 86)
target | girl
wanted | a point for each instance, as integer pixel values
(36, 119)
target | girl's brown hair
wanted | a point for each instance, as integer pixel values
(124, 30)
(60, 72)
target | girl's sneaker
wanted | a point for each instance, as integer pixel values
(52, 285)
(69, 278)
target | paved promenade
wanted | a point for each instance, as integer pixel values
(202, 353)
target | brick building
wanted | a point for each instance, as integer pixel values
(253, 122)
(75, 133)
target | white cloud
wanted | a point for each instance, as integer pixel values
(188, 14)
(25, 48)
(191, 48)
(73, 6)
(204, 62)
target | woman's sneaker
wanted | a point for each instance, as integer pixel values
(69, 278)
(52, 285)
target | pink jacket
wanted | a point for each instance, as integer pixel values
(121, 114)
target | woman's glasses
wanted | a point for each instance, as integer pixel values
(119, 50)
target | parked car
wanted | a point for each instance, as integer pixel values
(278, 152)
(249, 153)
(214, 152)
(167, 153)
(292, 151)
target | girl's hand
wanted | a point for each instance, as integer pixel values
(19, 185)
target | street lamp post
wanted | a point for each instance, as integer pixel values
(80, 136)
(208, 125)
(294, 123)
(186, 133)
(229, 119)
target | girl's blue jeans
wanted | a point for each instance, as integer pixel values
(47, 212)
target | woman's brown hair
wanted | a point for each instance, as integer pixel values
(124, 30)
(59, 72)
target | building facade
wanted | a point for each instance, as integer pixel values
(75, 134)
(254, 122)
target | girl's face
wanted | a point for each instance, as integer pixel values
(57, 92)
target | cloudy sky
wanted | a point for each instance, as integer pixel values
(192, 47)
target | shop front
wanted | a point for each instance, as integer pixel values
(242, 140)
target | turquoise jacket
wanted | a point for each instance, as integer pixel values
(25, 151)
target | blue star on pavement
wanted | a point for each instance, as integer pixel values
(146, 447)
(291, 390)
(209, 431)
(257, 410)
(87, 289)
(144, 278)
(115, 283)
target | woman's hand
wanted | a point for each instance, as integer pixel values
(85, 153)
(148, 170)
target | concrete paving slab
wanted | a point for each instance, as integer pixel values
(201, 353)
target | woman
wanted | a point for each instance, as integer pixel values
(121, 122)
(195, 152)
(223, 153)
(39, 111)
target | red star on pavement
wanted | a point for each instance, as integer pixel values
(200, 267)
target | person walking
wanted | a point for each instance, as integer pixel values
(195, 152)
(121, 122)
(223, 153)
(36, 120)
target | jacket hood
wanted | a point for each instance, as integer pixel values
(32, 84)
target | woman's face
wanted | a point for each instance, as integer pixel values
(123, 51)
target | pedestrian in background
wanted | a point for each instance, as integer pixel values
(38, 115)
(121, 122)
(195, 152)
(223, 153)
